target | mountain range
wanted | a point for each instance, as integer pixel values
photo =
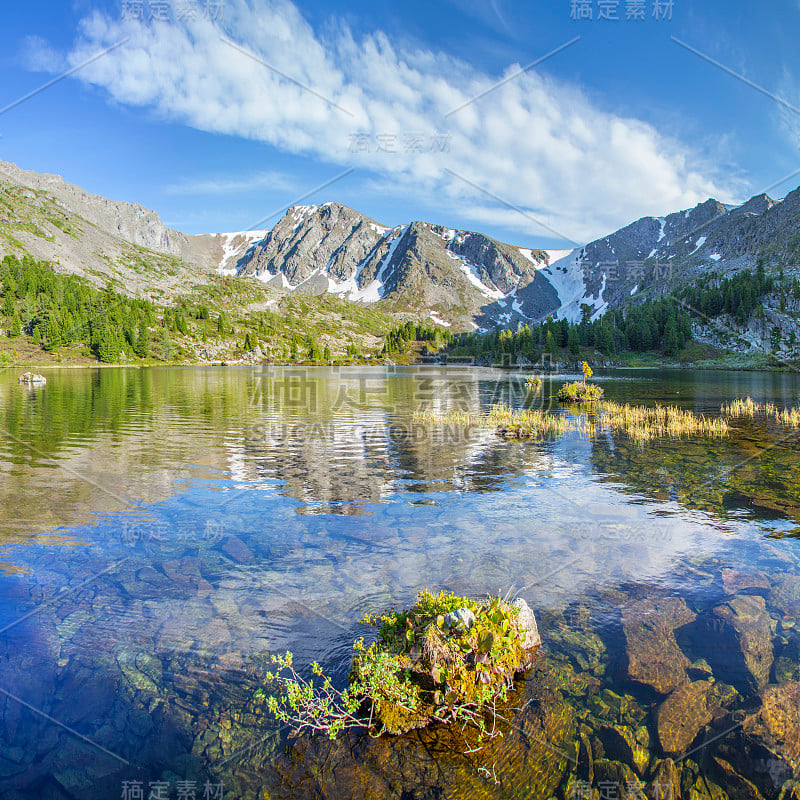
(460, 279)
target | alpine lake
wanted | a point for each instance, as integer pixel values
(163, 532)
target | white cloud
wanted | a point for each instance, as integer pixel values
(536, 143)
(228, 185)
(39, 56)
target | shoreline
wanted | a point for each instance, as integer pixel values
(567, 369)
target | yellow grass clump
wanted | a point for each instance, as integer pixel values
(644, 423)
(510, 422)
(637, 422)
(749, 409)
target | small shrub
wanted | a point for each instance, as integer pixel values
(445, 659)
(579, 392)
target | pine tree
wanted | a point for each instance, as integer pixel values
(142, 346)
(15, 329)
(8, 303)
(671, 341)
(574, 341)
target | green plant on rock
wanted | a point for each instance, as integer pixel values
(533, 384)
(445, 659)
(580, 392)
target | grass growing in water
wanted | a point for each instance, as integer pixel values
(637, 422)
(645, 423)
(508, 421)
(747, 408)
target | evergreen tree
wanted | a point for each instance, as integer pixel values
(574, 341)
(15, 329)
(671, 339)
(8, 303)
(142, 345)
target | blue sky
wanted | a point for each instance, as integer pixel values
(217, 117)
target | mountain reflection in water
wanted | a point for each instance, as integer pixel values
(164, 531)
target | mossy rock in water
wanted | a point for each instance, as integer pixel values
(533, 384)
(580, 392)
(448, 657)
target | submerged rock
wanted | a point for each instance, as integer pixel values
(735, 582)
(736, 638)
(665, 783)
(686, 712)
(786, 595)
(777, 723)
(620, 776)
(654, 658)
(735, 784)
(765, 746)
(619, 743)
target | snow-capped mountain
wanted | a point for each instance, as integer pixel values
(455, 277)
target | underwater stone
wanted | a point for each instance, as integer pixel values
(666, 781)
(786, 595)
(735, 581)
(777, 723)
(735, 784)
(737, 639)
(618, 775)
(682, 716)
(619, 744)
(654, 658)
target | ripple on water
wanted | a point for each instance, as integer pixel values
(162, 559)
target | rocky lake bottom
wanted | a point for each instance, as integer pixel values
(165, 531)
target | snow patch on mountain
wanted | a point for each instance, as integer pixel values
(698, 244)
(373, 291)
(565, 274)
(234, 246)
(301, 213)
(474, 277)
